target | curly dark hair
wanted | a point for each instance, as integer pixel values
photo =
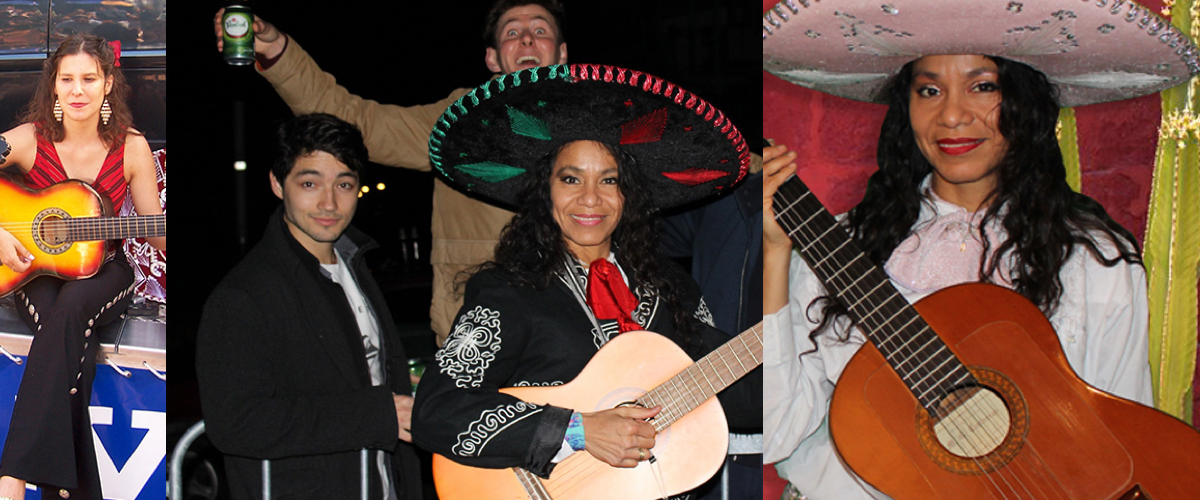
(306, 134)
(40, 111)
(1052, 219)
(532, 248)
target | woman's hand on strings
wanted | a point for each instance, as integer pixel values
(12, 254)
(620, 437)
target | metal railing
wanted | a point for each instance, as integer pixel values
(175, 483)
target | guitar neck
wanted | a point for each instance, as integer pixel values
(115, 228)
(706, 377)
(919, 357)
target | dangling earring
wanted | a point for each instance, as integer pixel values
(57, 111)
(105, 112)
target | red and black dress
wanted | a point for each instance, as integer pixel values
(49, 440)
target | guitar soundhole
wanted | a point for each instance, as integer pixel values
(50, 231)
(977, 429)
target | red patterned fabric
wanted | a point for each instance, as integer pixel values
(48, 170)
(149, 263)
(609, 296)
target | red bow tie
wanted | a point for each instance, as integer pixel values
(609, 297)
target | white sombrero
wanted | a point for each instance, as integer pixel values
(1093, 50)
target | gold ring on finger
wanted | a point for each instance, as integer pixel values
(641, 455)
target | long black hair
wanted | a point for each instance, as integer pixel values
(532, 250)
(1047, 220)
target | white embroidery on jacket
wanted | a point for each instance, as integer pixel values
(489, 424)
(608, 329)
(703, 314)
(525, 383)
(471, 347)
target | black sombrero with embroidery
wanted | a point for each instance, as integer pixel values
(490, 138)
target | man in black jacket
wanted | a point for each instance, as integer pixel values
(298, 360)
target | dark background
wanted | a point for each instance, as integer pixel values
(403, 53)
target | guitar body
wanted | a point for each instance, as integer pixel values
(688, 452)
(1063, 438)
(31, 216)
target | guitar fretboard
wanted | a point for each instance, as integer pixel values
(704, 378)
(914, 351)
(114, 228)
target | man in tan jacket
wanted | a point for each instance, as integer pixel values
(523, 34)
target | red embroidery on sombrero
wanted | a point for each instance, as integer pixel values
(646, 128)
(695, 176)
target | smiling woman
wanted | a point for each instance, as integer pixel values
(588, 154)
(586, 196)
(970, 189)
(954, 107)
(77, 127)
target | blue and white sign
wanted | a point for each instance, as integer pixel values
(129, 428)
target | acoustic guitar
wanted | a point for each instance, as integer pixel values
(65, 227)
(638, 368)
(967, 394)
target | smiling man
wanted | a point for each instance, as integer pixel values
(519, 33)
(297, 357)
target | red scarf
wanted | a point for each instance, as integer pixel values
(609, 297)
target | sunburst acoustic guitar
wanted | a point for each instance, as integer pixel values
(65, 227)
(967, 394)
(640, 368)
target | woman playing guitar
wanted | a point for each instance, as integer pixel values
(78, 126)
(971, 187)
(587, 159)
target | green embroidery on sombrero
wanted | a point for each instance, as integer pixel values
(487, 90)
(527, 125)
(471, 94)
(490, 171)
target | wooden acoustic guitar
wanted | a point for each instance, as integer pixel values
(65, 227)
(639, 368)
(968, 395)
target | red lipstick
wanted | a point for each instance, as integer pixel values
(958, 146)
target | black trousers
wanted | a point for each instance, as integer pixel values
(49, 441)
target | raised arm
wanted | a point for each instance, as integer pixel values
(397, 136)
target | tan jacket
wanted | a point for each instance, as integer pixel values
(465, 231)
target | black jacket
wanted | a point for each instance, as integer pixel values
(513, 336)
(283, 375)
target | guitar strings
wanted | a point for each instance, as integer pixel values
(784, 213)
(868, 318)
(1017, 465)
(574, 472)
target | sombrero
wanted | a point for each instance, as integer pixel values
(1092, 50)
(488, 139)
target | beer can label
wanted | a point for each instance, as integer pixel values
(237, 25)
(239, 36)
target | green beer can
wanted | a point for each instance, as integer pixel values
(238, 23)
